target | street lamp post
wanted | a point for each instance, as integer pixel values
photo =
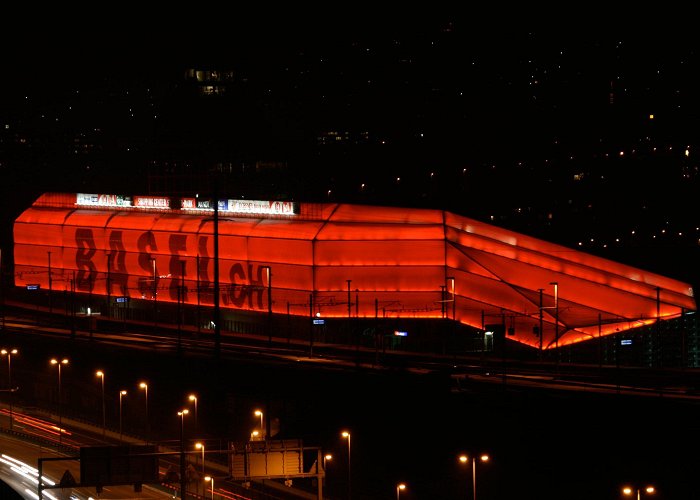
(193, 398)
(326, 458)
(101, 374)
(465, 459)
(122, 393)
(209, 478)
(347, 436)
(399, 488)
(9, 353)
(144, 386)
(556, 318)
(259, 413)
(200, 446)
(183, 479)
(629, 491)
(58, 363)
(453, 296)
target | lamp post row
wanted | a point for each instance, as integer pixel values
(9, 353)
(345, 434)
(59, 363)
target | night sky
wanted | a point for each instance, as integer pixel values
(584, 135)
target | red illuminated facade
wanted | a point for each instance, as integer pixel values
(390, 262)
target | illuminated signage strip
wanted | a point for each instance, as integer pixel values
(242, 206)
(151, 202)
(161, 202)
(198, 205)
(102, 200)
(260, 207)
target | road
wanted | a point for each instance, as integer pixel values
(672, 383)
(18, 469)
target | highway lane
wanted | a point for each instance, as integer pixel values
(35, 435)
(19, 469)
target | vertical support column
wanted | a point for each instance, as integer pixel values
(320, 476)
(541, 323)
(684, 359)
(199, 310)
(442, 300)
(658, 327)
(180, 303)
(311, 325)
(503, 351)
(50, 283)
(109, 284)
(269, 303)
(155, 293)
(72, 306)
(600, 342)
(217, 311)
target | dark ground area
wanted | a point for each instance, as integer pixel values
(405, 427)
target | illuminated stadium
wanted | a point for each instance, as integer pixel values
(334, 261)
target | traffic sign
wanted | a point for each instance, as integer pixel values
(67, 480)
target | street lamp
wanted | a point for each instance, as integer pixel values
(326, 458)
(209, 478)
(259, 413)
(144, 386)
(101, 374)
(201, 446)
(193, 398)
(58, 363)
(183, 479)
(627, 490)
(9, 353)
(347, 436)
(465, 459)
(453, 296)
(122, 393)
(556, 316)
(399, 488)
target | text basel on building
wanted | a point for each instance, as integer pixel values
(339, 260)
